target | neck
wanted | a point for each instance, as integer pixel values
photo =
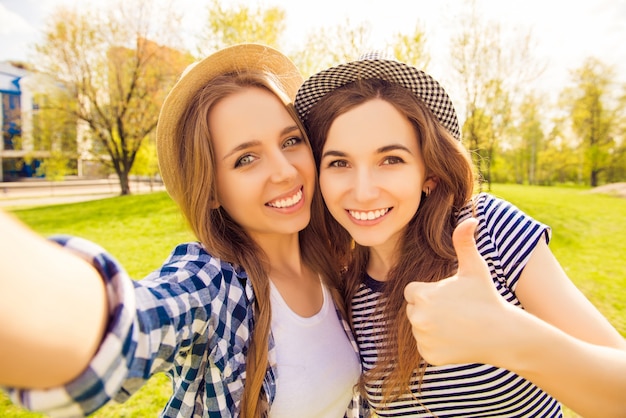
(297, 284)
(381, 260)
(283, 254)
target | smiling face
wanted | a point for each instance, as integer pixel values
(372, 173)
(264, 168)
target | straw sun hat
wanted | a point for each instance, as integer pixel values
(377, 65)
(234, 59)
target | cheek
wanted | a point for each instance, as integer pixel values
(227, 199)
(310, 171)
(325, 186)
(331, 189)
(304, 162)
(235, 190)
(410, 190)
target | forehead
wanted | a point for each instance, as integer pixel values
(250, 114)
(246, 102)
(371, 124)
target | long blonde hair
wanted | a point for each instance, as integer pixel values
(426, 252)
(224, 238)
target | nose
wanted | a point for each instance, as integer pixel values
(365, 186)
(282, 168)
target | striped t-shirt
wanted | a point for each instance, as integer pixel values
(505, 238)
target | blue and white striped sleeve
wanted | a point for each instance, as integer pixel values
(512, 234)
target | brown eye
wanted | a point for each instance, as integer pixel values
(338, 163)
(393, 160)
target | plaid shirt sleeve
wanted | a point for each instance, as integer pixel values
(153, 324)
(358, 408)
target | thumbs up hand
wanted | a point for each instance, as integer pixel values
(456, 320)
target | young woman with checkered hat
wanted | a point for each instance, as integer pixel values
(397, 182)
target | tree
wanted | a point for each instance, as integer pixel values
(240, 23)
(532, 138)
(491, 70)
(594, 114)
(557, 160)
(110, 62)
(146, 163)
(476, 129)
(331, 45)
(412, 48)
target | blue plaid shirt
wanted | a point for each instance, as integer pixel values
(191, 319)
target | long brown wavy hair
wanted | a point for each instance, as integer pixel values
(224, 238)
(426, 251)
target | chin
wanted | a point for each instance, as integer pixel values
(300, 225)
(367, 241)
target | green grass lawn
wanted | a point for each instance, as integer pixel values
(588, 237)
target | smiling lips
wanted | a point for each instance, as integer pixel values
(369, 215)
(358, 215)
(287, 202)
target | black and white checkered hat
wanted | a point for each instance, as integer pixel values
(377, 65)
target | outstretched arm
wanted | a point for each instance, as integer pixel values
(52, 309)
(463, 319)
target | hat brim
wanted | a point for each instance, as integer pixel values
(237, 58)
(422, 85)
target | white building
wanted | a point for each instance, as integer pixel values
(16, 119)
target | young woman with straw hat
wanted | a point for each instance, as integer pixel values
(247, 321)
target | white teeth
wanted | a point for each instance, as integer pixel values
(285, 203)
(370, 215)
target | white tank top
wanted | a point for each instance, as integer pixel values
(317, 367)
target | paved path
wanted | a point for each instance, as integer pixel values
(37, 193)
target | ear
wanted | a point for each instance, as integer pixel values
(214, 202)
(430, 184)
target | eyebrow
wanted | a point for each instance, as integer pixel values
(381, 150)
(253, 143)
(241, 147)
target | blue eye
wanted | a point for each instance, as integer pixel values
(245, 160)
(290, 142)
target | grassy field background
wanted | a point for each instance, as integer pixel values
(588, 238)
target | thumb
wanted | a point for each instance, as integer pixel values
(470, 261)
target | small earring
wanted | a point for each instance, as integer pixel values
(427, 191)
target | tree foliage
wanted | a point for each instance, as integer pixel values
(531, 139)
(118, 65)
(411, 48)
(595, 118)
(228, 26)
(146, 164)
(491, 68)
(331, 45)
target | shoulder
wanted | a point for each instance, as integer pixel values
(505, 235)
(503, 224)
(191, 262)
(193, 256)
(485, 205)
(497, 215)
